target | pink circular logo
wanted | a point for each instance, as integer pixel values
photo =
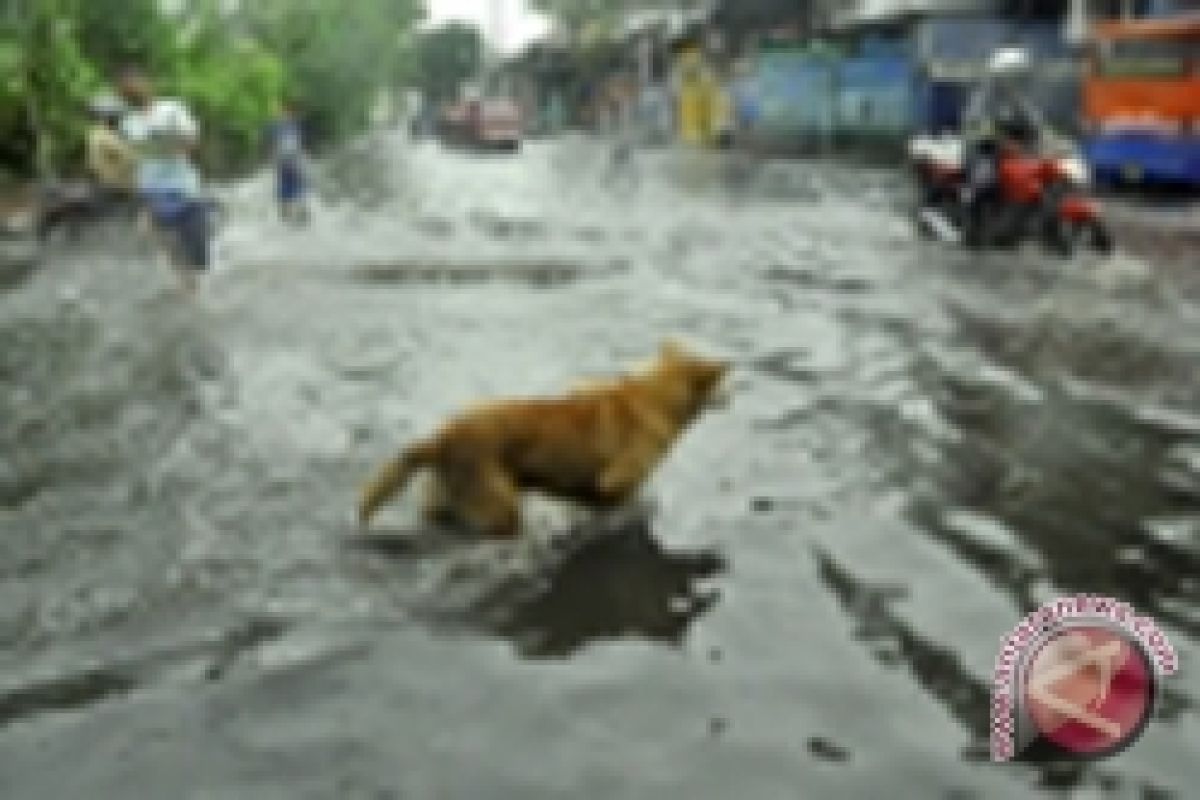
(1089, 690)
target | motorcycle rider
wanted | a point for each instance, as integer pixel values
(999, 111)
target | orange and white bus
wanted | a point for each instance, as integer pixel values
(1141, 100)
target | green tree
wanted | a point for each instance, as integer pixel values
(46, 80)
(333, 56)
(576, 15)
(117, 32)
(446, 57)
(338, 55)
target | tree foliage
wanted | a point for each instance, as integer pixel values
(446, 57)
(44, 74)
(576, 15)
(338, 54)
(331, 56)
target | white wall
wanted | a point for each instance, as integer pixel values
(854, 11)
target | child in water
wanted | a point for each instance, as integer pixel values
(164, 136)
(287, 146)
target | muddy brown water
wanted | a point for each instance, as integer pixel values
(922, 446)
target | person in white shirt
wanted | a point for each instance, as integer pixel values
(164, 135)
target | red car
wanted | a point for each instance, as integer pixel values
(492, 123)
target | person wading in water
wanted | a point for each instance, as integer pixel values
(164, 136)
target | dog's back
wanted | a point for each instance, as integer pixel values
(597, 445)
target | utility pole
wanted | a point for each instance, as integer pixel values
(497, 34)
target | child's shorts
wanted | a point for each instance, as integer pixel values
(187, 220)
(290, 182)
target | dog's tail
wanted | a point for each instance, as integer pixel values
(394, 476)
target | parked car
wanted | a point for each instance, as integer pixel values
(492, 123)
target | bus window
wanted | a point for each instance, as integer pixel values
(1145, 58)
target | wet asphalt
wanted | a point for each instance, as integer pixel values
(923, 445)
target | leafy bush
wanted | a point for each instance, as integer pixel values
(338, 55)
(332, 56)
(234, 94)
(45, 81)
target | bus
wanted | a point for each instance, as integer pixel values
(1141, 101)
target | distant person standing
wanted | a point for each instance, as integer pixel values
(287, 148)
(621, 97)
(164, 136)
(556, 112)
(746, 100)
(722, 114)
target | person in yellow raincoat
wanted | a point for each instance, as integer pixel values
(693, 93)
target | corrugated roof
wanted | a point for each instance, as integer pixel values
(862, 12)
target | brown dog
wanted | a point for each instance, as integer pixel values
(597, 446)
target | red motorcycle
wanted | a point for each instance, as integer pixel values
(1041, 195)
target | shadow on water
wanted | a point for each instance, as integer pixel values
(539, 274)
(212, 657)
(400, 544)
(614, 587)
(893, 643)
(606, 579)
(64, 693)
(510, 228)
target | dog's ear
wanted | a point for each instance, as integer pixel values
(672, 351)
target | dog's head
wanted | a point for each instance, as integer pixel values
(699, 380)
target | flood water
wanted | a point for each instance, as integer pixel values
(922, 446)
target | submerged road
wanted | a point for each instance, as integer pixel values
(922, 446)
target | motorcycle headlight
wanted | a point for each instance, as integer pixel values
(1075, 170)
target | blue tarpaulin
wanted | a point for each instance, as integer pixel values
(795, 92)
(891, 86)
(810, 96)
(876, 95)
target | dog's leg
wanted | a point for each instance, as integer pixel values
(482, 498)
(496, 509)
(625, 474)
(438, 506)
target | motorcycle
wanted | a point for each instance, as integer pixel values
(1040, 193)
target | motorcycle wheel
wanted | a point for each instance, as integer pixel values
(987, 228)
(924, 229)
(1067, 238)
(1102, 238)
